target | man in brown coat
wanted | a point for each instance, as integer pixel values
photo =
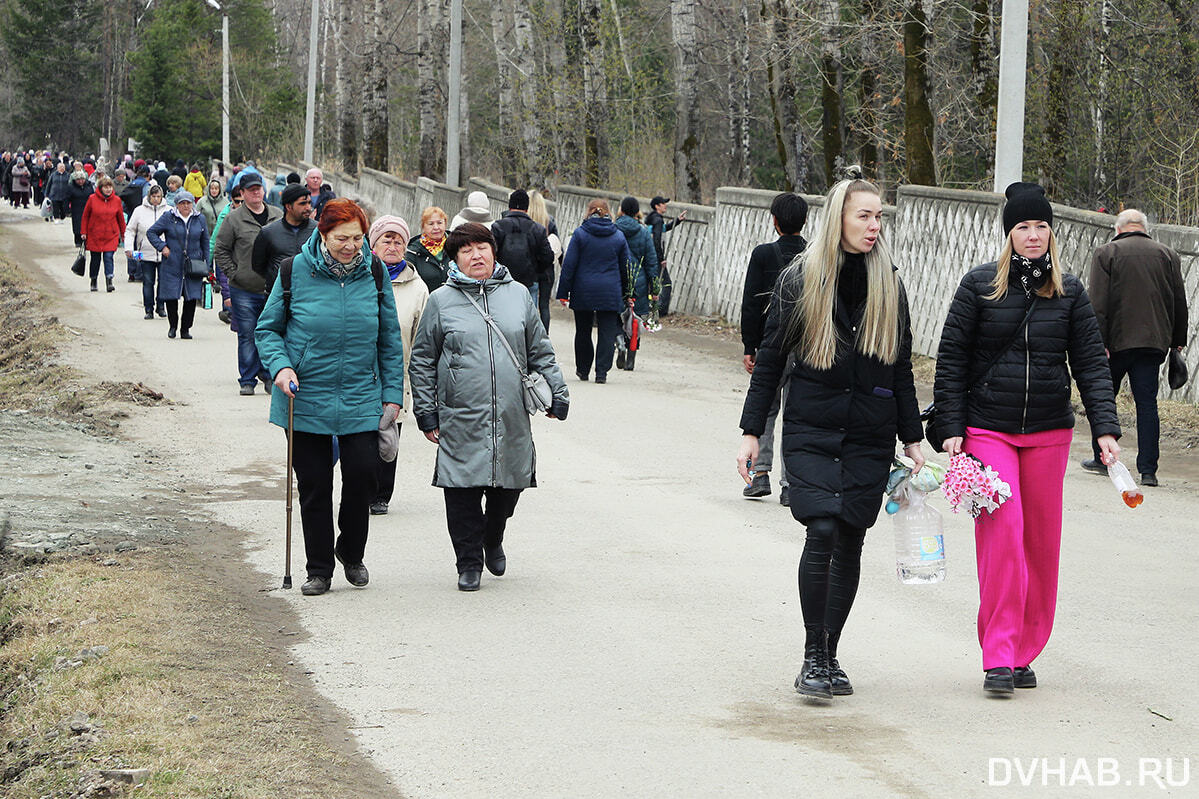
(1139, 299)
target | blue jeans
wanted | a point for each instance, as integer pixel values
(94, 266)
(247, 305)
(149, 272)
(1142, 367)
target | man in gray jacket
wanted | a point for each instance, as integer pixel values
(1139, 299)
(284, 237)
(234, 255)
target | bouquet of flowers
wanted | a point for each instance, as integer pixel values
(972, 486)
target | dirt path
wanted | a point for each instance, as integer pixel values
(646, 636)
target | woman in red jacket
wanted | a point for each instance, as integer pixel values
(103, 228)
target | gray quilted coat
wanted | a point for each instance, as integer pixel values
(465, 385)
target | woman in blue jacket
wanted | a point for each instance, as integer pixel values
(338, 340)
(179, 236)
(595, 283)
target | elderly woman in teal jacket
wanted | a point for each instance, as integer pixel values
(337, 341)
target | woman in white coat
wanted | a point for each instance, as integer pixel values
(136, 242)
(388, 238)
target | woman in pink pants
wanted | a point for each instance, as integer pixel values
(1016, 332)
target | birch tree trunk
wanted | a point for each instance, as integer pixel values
(832, 136)
(347, 101)
(918, 129)
(870, 113)
(532, 172)
(506, 96)
(565, 58)
(432, 36)
(1099, 106)
(740, 98)
(595, 89)
(375, 137)
(984, 75)
(781, 76)
(686, 133)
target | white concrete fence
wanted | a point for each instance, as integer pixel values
(936, 235)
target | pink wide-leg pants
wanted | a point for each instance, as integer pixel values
(1018, 546)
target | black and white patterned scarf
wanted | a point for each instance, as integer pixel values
(1033, 273)
(340, 270)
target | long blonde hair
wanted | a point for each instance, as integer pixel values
(1003, 268)
(537, 209)
(810, 329)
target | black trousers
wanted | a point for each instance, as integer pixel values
(473, 529)
(189, 314)
(312, 460)
(829, 570)
(1143, 367)
(608, 323)
(387, 475)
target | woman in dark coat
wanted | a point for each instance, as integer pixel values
(595, 283)
(426, 252)
(1002, 393)
(179, 236)
(843, 313)
(78, 193)
(58, 186)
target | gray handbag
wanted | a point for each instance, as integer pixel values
(538, 395)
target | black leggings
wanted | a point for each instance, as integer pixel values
(189, 314)
(828, 577)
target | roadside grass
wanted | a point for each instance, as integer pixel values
(184, 690)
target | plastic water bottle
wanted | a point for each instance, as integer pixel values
(1129, 492)
(919, 539)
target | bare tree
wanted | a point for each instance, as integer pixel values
(347, 104)
(686, 131)
(375, 135)
(918, 129)
(532, 172)
(595, 88)
(832, 134)
(432, 33)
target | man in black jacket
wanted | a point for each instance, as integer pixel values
(657, 226)
(1140, 303)
(522, 245)
(283, 238)
(789, 212)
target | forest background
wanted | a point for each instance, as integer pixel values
(646, 96)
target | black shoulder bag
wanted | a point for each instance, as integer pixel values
(932, 432)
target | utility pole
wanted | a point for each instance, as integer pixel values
(224, 79)
(310, 107)
(452, 166)
(1009, 115)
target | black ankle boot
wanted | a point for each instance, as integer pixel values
(836, 675)
(630, 360)
(813, 680)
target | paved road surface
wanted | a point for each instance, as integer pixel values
(645, 639)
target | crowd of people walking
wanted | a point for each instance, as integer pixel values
(355, 326)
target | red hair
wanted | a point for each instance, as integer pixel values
(338, 212)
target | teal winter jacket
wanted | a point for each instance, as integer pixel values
(346, 350)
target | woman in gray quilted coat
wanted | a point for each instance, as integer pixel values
(468, 397)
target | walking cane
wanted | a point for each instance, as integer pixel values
(291, 407)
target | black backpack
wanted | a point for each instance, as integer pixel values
(131, 198)
(285, 280)
(517, 252)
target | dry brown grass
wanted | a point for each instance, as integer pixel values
(188, 689)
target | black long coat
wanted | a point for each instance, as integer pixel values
(839, 424)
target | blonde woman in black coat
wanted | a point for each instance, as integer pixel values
(841, 309)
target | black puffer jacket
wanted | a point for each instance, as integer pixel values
(839, 424)
(1028, 388)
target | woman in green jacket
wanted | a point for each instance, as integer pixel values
(338, 342)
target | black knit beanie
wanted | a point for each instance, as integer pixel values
(292, 193)
(1025, 201)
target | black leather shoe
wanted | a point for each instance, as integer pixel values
(999, 681)
(1024, 677)
(161, 310)
(838, 679)
(620, 358)
(356, 574)
(630, 361)
(185, 334)
(582, 376)
(171, 333)
(813, 679)
(1149, 479)
(469, 580)
(315, 586)
(108, 286)
(497, 562)
(601, 378)
(785, 496)
(378, 509)
(760, 487)
(1092, 465)
(149, 315)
